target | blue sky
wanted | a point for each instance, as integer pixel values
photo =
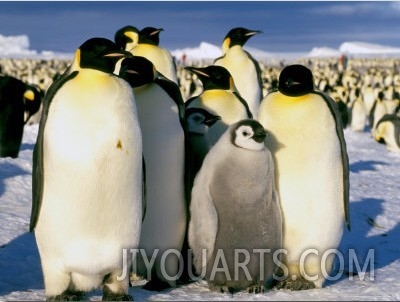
(287, 26)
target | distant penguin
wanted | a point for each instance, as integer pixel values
(235, 209)
(145, 43)
(368, 95)
(358, 115)
(388, 132)
(87, 178)
(18, 102)
(344, 113)
(160, 111)
(312, 173)
(244, 69)
(377, 111)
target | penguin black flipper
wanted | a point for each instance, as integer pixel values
(37, 168)
(345, 159)
(144, 189)
(243, 101)
(172, 89)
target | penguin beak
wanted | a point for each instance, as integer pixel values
(259, 135)
(211, 120)
(253, 32)
(197, 71)
(157, 31)
(119, 54)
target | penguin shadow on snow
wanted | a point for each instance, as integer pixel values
(372, 252)
(25, 146)
(362, 165)
(7, 170)
(20, 268)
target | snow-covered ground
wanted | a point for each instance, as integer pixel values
(371, 247)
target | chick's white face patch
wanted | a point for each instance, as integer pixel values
(244, 138)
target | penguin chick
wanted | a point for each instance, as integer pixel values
(236, 181)
(198, 121)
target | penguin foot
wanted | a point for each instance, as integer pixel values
(108, 295)
(156, 285)
(68, 295)
(256, 289)
(294, 283)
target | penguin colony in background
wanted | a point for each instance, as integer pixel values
(196, 142)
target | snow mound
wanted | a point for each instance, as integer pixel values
(367, 48)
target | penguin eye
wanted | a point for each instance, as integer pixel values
(245, 133)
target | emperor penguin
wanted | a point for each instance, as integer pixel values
(358, 114)
(312, 175)
(235, 212)
(388, 132)
(160, 112)
(244, 69)
(145, 43)
(18, 102)
(87, 177)
(377, 111)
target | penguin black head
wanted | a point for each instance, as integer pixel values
(137, 71)
(32, 99)
(248, 134)
(100, 54)
(195, 117)
(296, 80)
(213, 77)
(238, 36)
(125, 35)
(150, 35)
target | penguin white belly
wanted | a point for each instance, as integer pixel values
(244, 75)
(309, 177)
(368, 98)
(163, 148)
(358, 116)
(91, 207)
